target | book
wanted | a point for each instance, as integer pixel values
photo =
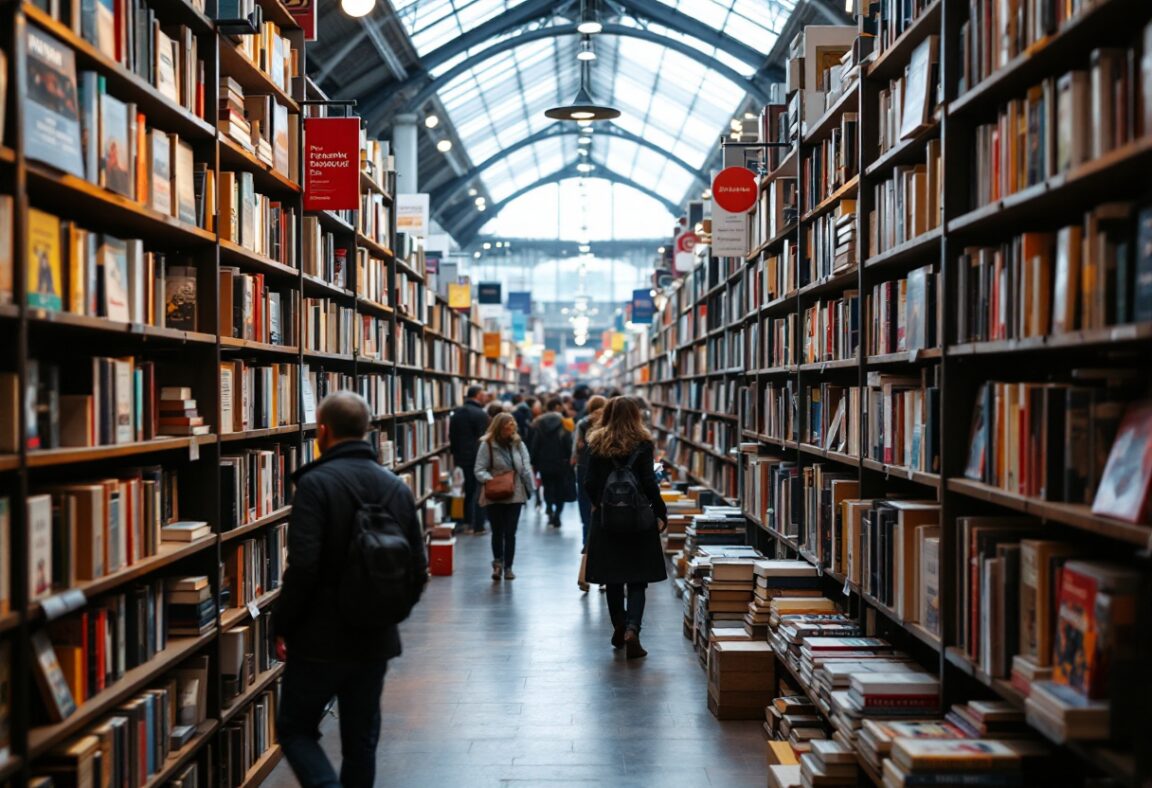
(114, 279)
(160, 168)
(5, 555)
(45, 285)
(1124, 487)
(185, 531)
(7, 249)
(953, 754)
(183, 189)
(39, 525)
(54, 689)
(918, 94)
(116, 164)
(180, 307)
(51, 114)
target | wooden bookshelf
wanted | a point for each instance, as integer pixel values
(717, 287)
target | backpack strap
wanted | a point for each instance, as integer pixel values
(357, 499)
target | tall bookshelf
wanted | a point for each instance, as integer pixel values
(729, 346)
(378, 289)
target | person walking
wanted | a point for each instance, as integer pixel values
(465, 427)
(502, 452)
(625, 562)
(551, 450)
(580, 463)
(326, 654)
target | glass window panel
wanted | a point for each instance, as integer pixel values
(483, 148)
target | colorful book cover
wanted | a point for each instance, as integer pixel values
(1124, 487)
(183, 162)
(53, 686)
(113, 262)
(45, 283)
(7, 267)
(51, 114)
(160, 159)
(180, 297)
(115, 153)
(39, 513)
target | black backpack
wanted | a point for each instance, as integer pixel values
(376, 588)
(625, 510)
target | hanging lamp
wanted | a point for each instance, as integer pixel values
(583, 107)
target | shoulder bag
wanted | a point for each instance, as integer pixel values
(501, 486)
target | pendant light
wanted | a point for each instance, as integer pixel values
(357, 8)
(583, 107)
(589, 24)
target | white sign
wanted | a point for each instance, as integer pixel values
(413, 213)
(729, 233)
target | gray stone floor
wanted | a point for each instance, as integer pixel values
(515, 683)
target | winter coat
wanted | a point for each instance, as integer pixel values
(613, 558)
(551, 445)
(515, 458)
(466, 427)
(580, 450)
(523, 415)
(319, 530)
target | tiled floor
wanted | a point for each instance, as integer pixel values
(515, 683)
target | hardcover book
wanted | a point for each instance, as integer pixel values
(160, 164)
(180, 297)
(39, 525)
(1124, 487)
(51, 114)
(54, 688)
(115, 147)
(113, 263)
(45, 283)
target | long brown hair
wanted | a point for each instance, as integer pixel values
(619, 430)
(497, 427)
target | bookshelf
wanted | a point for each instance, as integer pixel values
(237, 354)
(755, 315)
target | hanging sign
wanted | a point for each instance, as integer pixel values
(548, 359)
(643, 307)
(685, 246)
(459, 295)
(412, 212)
(304, 12)
(492, 344)
(331, 164)
(735, 189)
(729, 233)
(520, 301)
(488, 293)
(618, 340)
(519, 326)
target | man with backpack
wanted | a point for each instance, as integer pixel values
(356, 565)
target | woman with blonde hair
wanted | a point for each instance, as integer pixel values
(624, 553)
(503, 462)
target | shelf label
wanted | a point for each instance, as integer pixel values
(847, 587)
(254, 609)
(193, 449)
(331, 164)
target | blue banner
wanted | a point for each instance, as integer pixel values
(519, 325)
(488, 293)
(643, 307)
(520, 301)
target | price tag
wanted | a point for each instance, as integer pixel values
(847, 588)
(431, 418)
(913, 356)
(254, 609)
(193, 449)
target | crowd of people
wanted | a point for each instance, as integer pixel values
(356, 556)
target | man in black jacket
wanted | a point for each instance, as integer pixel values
(466, 426)
(326, 655)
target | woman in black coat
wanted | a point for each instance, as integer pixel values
(618, 560)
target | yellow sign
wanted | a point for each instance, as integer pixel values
(618, 342)
(492, 344)
(459, 296)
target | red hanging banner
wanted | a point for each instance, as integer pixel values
(331, 164)
(304, 12)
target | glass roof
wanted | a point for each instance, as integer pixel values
(577, 207)
(678, 103)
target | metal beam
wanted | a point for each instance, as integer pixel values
(674, 19)
(446, 194)
(372, 108)
(554, 247)
(386, 54)
(465, 234)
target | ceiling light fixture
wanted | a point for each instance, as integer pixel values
(584, 139)
(585, 167)
(586, 52)
(432, 121)
(589, 24)
(583, 107)
(444, 145)
(480, 201)
(585, 248)
(357, 8)
(582, 151)
(472, 192)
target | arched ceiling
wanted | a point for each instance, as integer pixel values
(679, 71)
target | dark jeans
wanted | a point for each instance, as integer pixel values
(631, 615)
(583, 500)
(473, 514)
(504, 518)
(307, 688)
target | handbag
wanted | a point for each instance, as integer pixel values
(501, 486)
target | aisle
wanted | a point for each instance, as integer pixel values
(515, 683)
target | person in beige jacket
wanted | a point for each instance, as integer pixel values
(501, 451)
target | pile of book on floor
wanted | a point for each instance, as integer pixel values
(741, 679)
(681, 510)
(962, 762)
(777, 578)
(829, 763)
(791, 618)
(716, 525)
(697, 614)
(794, 720)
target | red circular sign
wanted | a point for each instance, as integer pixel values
(735, 189)
(686, 242)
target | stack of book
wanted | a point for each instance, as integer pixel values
(231, 119)
(988, 719)
(829, 763)
(718, 525)
(957, 761)
(178, 413)
(729, 588)
(875, 737)
(786, 613)
(741, 679)
(191, 609)
(777, 578)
